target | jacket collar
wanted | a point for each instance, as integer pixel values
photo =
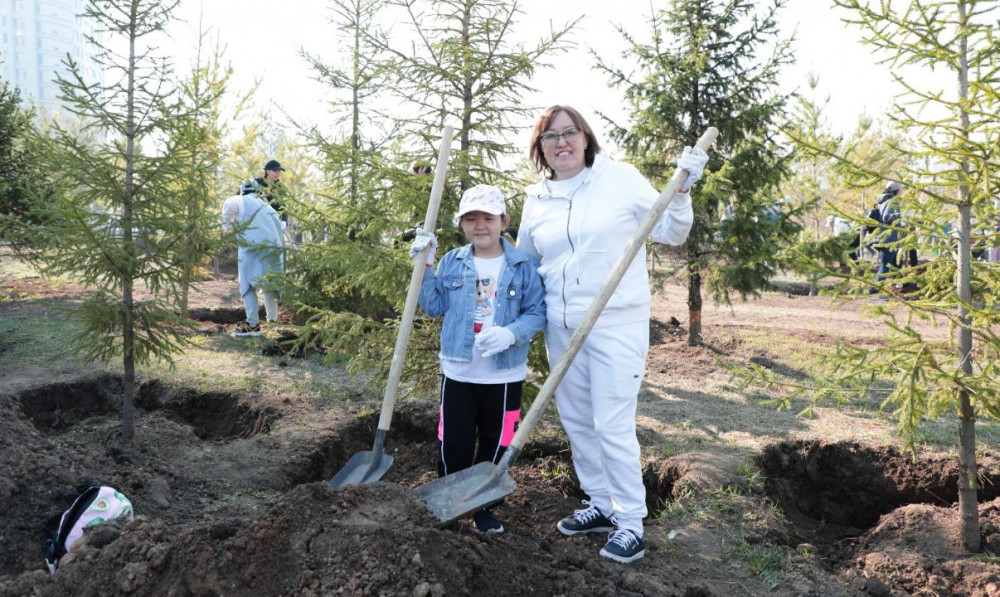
(512, 254)
(540, 190)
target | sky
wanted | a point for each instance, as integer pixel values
(263, 40)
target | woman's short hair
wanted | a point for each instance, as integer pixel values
(538, 158)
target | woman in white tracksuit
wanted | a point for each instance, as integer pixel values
(577, 220)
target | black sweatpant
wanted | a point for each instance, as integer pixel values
(477, 422)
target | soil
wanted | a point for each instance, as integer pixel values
(231, 495)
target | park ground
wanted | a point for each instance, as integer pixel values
(233, 447)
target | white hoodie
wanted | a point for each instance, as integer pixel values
(578, 240)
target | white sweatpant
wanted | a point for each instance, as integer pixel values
(597, 403)
(252, 307)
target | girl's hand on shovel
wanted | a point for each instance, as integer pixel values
(421, 242)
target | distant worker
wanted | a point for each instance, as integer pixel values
(272, 189)
(886, 213)
(261, 251)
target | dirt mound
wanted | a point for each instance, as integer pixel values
(371, 540)
(230, 491)
(915, 549)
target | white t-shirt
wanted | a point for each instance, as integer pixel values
(566, 188)
(480, 370)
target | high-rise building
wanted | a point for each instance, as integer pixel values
(35, 38)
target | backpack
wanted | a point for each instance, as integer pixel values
(874, 214)
(93, 505)
(889, 212)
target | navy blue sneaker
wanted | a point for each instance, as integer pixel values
(588, 520)
(486, 522)
(624, 546)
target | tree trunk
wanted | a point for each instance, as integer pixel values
(694, 306)
(128, 329)
(189, 263)
(968, 501)
(128, 379)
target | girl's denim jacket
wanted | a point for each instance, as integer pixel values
(452, 292)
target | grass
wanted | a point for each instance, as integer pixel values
(762, 560)
(15, 268)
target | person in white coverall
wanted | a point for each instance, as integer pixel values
(577, 220)
(261, 251)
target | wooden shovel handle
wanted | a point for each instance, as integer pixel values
(416, 278)
(590, 317)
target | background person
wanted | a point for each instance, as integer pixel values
(886, 213)
(261, 251)
(578, 219)
(492, 300)
(271, 188)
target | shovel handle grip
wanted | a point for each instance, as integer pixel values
(590, 317)
(416, 278)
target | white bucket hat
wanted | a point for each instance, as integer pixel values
(483, 197)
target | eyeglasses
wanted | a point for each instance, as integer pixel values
(551, 138)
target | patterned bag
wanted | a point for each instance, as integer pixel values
(94, 504)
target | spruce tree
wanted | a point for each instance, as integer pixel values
(945, 164)
(20, 177)
(464, 67)
(461, 68)
(949, 168)
(121, 223)
(201, 137)
(706, 65)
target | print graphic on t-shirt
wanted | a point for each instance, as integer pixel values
(486, 291)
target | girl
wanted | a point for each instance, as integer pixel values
(491, 297)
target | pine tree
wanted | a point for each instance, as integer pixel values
(121, 223)
(201, 135)
(465, 68)
(19, 177)
(462, 68)
(956, 139)
(702, 68)
(946, 168)
(358, 200)
(809, 185)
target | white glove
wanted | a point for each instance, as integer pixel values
(494, 340)
(693, 160)
(421, 242)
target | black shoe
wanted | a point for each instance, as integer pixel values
(588, 520)
(624, 546)
(245, 330)
(486, 522)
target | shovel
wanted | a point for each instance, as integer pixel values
(368, 467)
(460, 494)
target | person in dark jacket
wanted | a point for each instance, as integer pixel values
(271, 188)
(887, 210)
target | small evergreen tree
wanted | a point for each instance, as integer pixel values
(947, 167)
(20, 178)
(122, 220)
(464, 67)
(461, 68)
(961, 140)
(201, 136)
(702, 67)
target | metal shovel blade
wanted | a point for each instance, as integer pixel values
(465, 492)
(364, 467)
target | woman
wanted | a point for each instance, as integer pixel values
(577, 220)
